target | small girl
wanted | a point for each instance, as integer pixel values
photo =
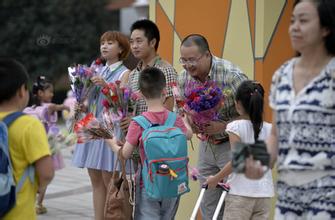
(46, 112)
(253, 195)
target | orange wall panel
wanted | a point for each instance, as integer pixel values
(165, 49)
(208, 18)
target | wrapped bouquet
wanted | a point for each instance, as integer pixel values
(81, 85)
(90, 128)
(202, 102)
(117, 105)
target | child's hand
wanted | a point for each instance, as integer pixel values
(124, 124)
(113, 143)
(188, 126)
(212, 182)
(186, 120)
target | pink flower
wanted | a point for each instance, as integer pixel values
(98, 61)
(172, 84)
(105, 90)
(197, 99)
(88, 72)
(135, 96)
(105, 103)
(115, 98)
(194, 173)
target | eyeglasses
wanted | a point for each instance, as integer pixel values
(191, 62)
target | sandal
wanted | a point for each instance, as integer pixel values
(40, 209)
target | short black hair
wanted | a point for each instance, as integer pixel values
(198, 40)
(150, 30)
(152, 82)
(12, 76)
(326, 12)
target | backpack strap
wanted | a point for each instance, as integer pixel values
(8, 120)
(142, 121)
(171, 120)
(12, 117)
(30, 170)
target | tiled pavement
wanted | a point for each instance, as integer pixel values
(69, 196)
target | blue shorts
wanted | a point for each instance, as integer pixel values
(149, 209)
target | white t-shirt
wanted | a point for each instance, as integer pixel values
(239, 183)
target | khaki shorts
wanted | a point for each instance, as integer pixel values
(245, 208)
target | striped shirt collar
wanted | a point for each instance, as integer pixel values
(110, 68)
(113, 66)
(153, 62)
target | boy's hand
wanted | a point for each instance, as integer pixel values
(114, 145)
(186, 121)
(99, 81)
(212, 182)
(124, 124)
(214, 127)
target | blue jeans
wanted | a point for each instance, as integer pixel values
(149, 209)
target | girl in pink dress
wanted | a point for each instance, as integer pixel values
(46, 112)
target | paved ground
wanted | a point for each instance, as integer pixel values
(70, 195)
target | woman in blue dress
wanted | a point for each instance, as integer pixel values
(95, 155)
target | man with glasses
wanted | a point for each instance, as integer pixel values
(201, 66)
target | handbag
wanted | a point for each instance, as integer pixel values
(119, 199)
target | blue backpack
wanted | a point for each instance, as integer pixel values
(165, 167)
(8, 189)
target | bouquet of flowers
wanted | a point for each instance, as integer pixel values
(90, 128)
(81, 85)
(59, 139)
(203, 102)
(97, 65)
(117, 105)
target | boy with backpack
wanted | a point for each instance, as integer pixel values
(24, 148)
(161, 137)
